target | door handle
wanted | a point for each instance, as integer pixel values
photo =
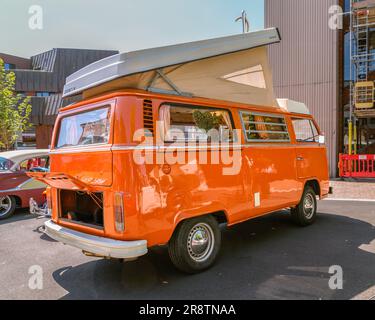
(300, 159)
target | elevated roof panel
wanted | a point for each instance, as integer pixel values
(126, 64)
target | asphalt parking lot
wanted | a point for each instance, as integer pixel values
(266, 258)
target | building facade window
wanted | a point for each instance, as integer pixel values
(27, 140)
(43, 94)
(9, 66)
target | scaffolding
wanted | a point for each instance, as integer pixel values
(362, 66)
(362, 58)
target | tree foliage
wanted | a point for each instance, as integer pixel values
(15, 109)
(206, 120)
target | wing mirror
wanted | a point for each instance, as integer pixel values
(322, 139)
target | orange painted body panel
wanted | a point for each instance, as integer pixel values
(155, 201)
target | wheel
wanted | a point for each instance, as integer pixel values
(7, 207)
(195, 244)
(305, 213)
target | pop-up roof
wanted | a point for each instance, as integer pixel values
(233, 68)
(293, 106)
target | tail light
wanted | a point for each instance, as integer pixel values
(119, 212)
(49, 200)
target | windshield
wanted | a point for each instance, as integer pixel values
(5, 164)
(305, 130)
(85, 128)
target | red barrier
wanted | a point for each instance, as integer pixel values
(357, 166)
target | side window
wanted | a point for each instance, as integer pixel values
(264, 127)
(193, 123)
(44, 162)
(27, 165)
(305, 130)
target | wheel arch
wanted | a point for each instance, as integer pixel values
(315, 185)
(221, 216)
(18, 200)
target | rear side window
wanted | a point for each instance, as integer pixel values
(5, 164)
(91, 127)
(264, 127)
(33, 163)
(193, 123)
(305, 130)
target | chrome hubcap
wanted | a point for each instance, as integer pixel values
(309, 206)
(200, 242)
(5, 204)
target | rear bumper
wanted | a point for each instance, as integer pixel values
(96, 245)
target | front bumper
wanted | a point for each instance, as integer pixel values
(99, 246)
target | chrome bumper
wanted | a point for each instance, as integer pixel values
(99, 246)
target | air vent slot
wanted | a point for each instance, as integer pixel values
(148, 117)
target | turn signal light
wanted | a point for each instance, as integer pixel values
(119, 212)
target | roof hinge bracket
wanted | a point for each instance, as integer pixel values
(175, 90)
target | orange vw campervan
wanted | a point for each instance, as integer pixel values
(155, 154)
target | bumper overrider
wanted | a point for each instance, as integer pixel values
(99, 246)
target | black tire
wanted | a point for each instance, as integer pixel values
(305, 213)
(194, 258)
(6, 213)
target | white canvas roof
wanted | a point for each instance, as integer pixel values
(233, 68)
(293, 106)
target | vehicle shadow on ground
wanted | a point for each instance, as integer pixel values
(41, 230)
(266, 258)
(19, 215)
(22, 215)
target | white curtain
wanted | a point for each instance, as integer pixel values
(165, 117)
(227, 134)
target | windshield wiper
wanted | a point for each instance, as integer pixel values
(310, 138)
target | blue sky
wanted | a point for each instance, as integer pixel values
(123, 25)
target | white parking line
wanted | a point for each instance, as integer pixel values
(368, 294)
(349, 200)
